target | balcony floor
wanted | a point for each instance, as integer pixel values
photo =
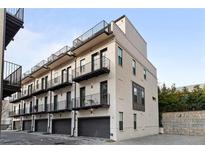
(91, 74)
(92, 107)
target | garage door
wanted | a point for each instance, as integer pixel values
(61, 126)
(27, 125)
(16, 125)
(94, 127)
(41, 125)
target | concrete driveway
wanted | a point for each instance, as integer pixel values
(24, 138)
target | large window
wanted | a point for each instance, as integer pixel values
(119, 55)
(120, 120)
(138, 96)
(133, 67)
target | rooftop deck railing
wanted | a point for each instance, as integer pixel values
(16, 12)
(90, 33)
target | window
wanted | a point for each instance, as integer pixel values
(145, 74)
(103, 54)
(31, 107)
(55, 102)
(37, 84)
(135, 121)
(45, 103)
(36, 107)
(82, 96)
(82, 65)
(63, 75)
(30, 89)
(119, 55)
(120, 120)
(95, 62)
(103, 93)
(55, 78)
(138, 97)
(134, 67)
(68, 100)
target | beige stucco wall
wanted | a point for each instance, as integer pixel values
(147, 122)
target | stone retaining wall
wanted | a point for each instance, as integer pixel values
(184, 123)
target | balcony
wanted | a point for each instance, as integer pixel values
(92, 101)
(12, 78)
(60, 106)
(60, 82)
(14, 22)
(39, 89)
(92, 69)
(42, 108)
(20, 112)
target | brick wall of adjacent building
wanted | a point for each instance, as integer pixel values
(184, 123)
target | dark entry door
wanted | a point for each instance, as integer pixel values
(95, 62)
(61, 126)
(55, 102)
(103, 93)
(41, 125)
(94, 127)
(68, 100)
(82, 96)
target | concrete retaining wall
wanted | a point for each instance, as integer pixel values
(184, 123)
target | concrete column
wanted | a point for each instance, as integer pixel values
(2, 47)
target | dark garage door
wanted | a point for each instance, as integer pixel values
(41, 125)
(16, 125)
(27, 125)
(94, 127)
(61, 126)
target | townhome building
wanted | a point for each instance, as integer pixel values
(102, 86)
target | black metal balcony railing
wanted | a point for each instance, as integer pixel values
(16, 12)
(63, 105)
(102, 26)
(12, 73)
(60, 81)
(97, 67)
(92, 101)
(40, 108)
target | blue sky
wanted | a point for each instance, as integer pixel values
(175, 38)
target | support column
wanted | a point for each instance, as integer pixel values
(2, 47)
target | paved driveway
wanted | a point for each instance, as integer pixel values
(24, 138)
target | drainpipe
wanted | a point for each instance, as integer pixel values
(74, 128)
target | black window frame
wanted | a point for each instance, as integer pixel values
(121, 121)
(137, 100)
(120, 57)
(134, 67)
(145, 74)
(135, 121)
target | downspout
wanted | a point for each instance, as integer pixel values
(74, 128)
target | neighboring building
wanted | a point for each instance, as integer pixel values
(103, 86)
(6, 119)
(191, 87)
(11, 21)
